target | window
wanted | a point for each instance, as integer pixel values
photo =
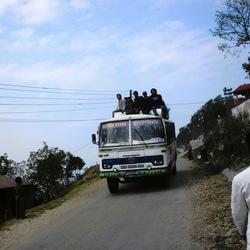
(114, 134)
(147, 131)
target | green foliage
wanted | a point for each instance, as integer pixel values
(233, 25)
(51, 170)
(225, 145)
(214, 111)
(203, 121)
(4, 164)
(246, 67)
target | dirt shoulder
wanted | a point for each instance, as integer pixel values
(211, 200)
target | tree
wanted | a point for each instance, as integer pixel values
(73, 164)
(246, 67)
(51, 169)
(225, 145)
(4, 164)
(233, 25)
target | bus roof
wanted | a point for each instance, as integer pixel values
(124, 117)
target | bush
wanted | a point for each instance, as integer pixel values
(225, 145)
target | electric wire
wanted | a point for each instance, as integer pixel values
(66, 89)
(34, 120)
(56, 92)
(50, 98)
(50, 111)
(52, 104)
(81, 147)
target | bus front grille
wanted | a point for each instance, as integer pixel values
(133, 166)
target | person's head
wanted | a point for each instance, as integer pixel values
(135, 93)
(119, 96)
(18, 180)
(153, 91)
(144, 94)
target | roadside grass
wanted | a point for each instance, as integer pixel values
(211, 200)
(65, 195)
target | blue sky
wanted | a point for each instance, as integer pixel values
(66, 59)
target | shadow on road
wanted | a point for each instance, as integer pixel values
(156, 184)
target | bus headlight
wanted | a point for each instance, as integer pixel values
(106, 165)
(158, 162)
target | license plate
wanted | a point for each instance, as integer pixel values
(132, 173)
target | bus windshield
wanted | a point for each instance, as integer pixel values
(142, 131)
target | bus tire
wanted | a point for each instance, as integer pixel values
(113, 185)
(174, 169)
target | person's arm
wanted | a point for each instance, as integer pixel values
(239, 207)
(123, 105)
(161, 101)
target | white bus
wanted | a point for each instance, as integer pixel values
(135, 146)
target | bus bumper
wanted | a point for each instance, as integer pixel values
(134, 173)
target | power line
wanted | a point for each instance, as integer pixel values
(50, 98)
(188, 103)
(81, 147)
(58, 92)
(51, 111)
(35, 87)
(30, 120)
(51, 104)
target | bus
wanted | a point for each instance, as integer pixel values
(135, 146)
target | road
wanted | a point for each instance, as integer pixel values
(142, 215)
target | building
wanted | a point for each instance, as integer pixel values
(7, 199)
(242, 93)
(242, 109)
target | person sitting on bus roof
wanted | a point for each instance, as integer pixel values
(121, 104)
(156, 101)
(145, 103)
(137, 104)
(129, 105)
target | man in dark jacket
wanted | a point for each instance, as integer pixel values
(145, 103)
(156, 101)
(137, 104)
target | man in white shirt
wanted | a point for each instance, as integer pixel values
(121, 104)
(240, 200)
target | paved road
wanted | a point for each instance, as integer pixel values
(142, 215)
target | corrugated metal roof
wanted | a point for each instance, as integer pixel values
(6, 182)
(242, 88)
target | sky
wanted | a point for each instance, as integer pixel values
(63, 61)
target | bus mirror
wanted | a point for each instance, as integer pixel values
(93, 138)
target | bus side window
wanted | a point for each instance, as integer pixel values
(170, 133)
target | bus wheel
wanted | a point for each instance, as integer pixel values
(174, 169)
(113, 185)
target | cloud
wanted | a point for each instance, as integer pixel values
(23, 34)
(79, 4)
(49, 73)
(30, 11)
(172, 46)
(6, 4)
(36, 11)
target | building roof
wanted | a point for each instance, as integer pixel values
(6, 182)
(242, 88)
